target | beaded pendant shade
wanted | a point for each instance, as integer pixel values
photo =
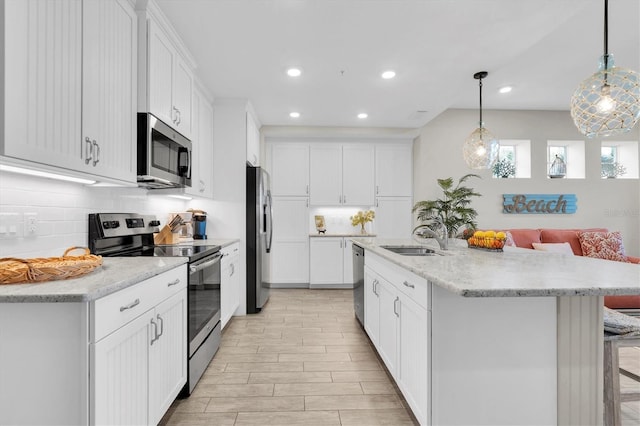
(608, 102)
(480, 149)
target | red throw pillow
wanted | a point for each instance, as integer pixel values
(602, 245)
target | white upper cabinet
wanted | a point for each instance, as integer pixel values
(108, 88)
(341, 175)
(202, 146)
(394, 171)
(289, 169)
(70, 83)
(358, 175)
(166, 80)
(253, 140)
(325, 175)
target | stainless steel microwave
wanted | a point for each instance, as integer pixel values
(164, 155)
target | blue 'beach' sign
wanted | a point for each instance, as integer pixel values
(539, 203)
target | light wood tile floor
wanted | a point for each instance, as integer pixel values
(304, 360)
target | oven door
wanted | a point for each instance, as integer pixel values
(203, 299)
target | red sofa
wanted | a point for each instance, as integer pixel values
(526, 237)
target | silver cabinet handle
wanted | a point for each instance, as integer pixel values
(202, 185)
(339, 199)
(161, 324)
(130, 305)
(233, 269)
(96, 158)
(408, 284)
(307, 189)
(344, 199)
(377, 189)
(175, 115)
(375, 285)
(377, 205)
(155, 332)
(89, 148)
(178, 118)
(174, 282)
(395, 307)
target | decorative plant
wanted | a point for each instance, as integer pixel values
(453, 210)
(361, 218)
(504, 168)
(612, 170)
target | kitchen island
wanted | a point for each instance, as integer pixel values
(492, 338)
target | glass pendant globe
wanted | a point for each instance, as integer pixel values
(608, 102)
(480, 149)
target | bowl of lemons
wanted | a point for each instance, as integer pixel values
(487, 240)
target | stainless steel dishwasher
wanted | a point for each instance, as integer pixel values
(358, 282)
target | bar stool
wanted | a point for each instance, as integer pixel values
(620, 330)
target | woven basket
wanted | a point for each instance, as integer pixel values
(14, 271)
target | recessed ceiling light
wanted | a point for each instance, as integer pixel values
(505, 89)
(363, 115)
(388, 74)
(294, 72)
(294, 114)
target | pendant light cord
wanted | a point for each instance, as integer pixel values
(480, 84)
(606, 39)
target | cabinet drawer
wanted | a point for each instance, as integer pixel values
(115, 310)
(412, 285)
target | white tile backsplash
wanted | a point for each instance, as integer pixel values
(63, 208)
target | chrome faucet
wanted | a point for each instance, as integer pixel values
(443, 241)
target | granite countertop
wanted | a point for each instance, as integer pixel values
(352, 234)
(115, 274)
(513, 272)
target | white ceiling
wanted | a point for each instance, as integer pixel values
(543, 48)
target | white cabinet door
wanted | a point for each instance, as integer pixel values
(167, 357)
(289, 257)
(120, 374)
(326, 261)
(182, 92)
(289, 169)
(394, 170)
(230, 282)
(161, 70)
(202, 147)
(372, 306)
(358, 175)
(325, 175)
(393, 217)
(388, 341)
(108, 88)
(43, 82)
(413, 366)
(253, 142)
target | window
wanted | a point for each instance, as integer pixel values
(619, 160)
(514, 159)
(571, 153)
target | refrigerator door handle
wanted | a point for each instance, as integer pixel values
(269, 221)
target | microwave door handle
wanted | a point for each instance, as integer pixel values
(189, 164)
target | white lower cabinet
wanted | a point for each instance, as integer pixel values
(138, 368)
(397, 322)
(326, 261)
(230, 282)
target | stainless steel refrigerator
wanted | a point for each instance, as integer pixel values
(259, 236)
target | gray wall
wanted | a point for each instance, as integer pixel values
(609, 203)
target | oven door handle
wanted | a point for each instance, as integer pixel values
(200, 266)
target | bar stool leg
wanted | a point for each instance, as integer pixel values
(611, 384)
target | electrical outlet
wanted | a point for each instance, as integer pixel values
(30, 224)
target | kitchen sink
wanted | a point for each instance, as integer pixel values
(411, 250)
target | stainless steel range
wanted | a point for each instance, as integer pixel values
(128, 234)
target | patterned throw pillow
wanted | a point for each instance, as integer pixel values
(602, 245)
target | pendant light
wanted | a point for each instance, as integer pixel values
(480, 150)
(608, 102)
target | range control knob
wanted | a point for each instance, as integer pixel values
(154, 223)
(106, 224)
(115, 224)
